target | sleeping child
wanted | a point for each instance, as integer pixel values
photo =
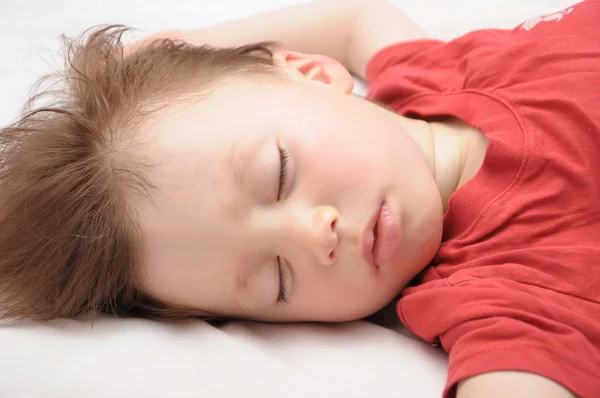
(231, 173)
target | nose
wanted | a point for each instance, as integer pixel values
(319, 235)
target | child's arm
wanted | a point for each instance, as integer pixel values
(350, 31)
(511, 384)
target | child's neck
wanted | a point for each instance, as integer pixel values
(454, 151)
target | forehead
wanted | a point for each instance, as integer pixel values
(203, 121)
(212, 141)
(185, 227)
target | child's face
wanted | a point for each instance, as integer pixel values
(216, 228)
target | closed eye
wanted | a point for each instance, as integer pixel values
(282, 296)
(284, 158)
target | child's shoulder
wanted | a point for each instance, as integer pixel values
(490, 58)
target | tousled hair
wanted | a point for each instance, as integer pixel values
(70, 242)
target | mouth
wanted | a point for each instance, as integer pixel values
(381, 237)
(369, 239)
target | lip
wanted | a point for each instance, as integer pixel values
(368, 239)
(379, 252)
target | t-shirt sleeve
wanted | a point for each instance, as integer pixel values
(398, 54)
(489, 325)
(408, 69)
(484, 60)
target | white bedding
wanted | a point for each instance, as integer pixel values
(136, 358)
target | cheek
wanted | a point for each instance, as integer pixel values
(335, 167)
(336, 300)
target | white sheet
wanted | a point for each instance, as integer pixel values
(135, 358)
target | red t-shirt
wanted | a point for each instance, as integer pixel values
(516, 282)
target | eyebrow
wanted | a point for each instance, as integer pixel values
(242, 280)
(245, 285)
(240, 161)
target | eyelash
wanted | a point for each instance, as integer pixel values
(284, 158)
(282, 297)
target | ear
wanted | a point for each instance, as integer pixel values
(318, 69)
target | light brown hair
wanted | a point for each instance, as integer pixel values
(69, 237)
